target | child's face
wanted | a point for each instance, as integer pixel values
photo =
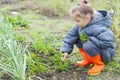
(80, 21)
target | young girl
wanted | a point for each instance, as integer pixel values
(99, 47)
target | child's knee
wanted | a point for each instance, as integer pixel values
(90, 48)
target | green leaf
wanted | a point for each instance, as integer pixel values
(83, 37)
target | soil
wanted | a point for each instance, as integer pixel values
(74, 73)
(5, 77)
(8, 1)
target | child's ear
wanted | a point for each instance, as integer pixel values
(88, 17)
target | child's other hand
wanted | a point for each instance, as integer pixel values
(65, 55)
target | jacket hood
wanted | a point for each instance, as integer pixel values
(102, 18)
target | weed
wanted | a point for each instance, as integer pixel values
(16, 21)
(35, 64)
(40, 47)
(20, 38)
(57, 64)
(114, 66)
(47, 43)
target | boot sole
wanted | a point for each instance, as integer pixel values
(94, 73)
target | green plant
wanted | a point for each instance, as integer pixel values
(16, 21)
(13, 62)
(35, 64)
(83, 37)
(57, 64)
(20, 38)
(46, 43)
(40, 46)
(13, 58)
(53, 42)
(114, 67)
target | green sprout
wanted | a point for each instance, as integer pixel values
(83, 37)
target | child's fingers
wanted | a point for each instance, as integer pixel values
(65, 55)
(63, 59)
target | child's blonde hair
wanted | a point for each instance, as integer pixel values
(82, 10)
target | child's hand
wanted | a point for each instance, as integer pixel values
(65, 55)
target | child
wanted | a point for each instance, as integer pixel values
(99, 46)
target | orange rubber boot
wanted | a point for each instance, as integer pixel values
(86, 57)
(98, 65)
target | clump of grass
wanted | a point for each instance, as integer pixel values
(13, 58)
(20, 38)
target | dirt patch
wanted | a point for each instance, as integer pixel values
(74, 73)
(5, 77)
(39, 9)
(47, 11)
(8, 1)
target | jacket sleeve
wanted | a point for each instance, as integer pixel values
(70, 40)
(104, 39)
